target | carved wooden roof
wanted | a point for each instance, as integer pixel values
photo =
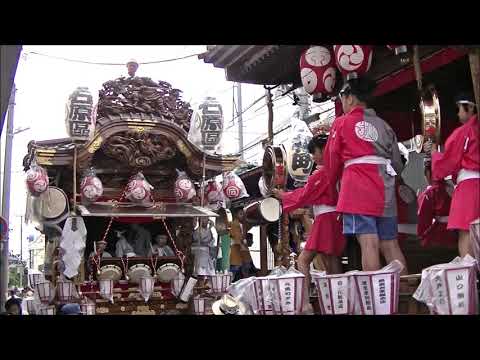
(133, 142)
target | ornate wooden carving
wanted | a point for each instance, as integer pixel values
(142, 94)
(139, 149)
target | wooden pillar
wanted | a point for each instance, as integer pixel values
(474, 58)
(263, 250)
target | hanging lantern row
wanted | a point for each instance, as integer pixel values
(318, 66)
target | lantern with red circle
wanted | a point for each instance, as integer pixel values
(317, 71)
(353, 60)
(91, 187)
(184, 188)
(37, 180)
(139, 190)
(213, 195)
(400, 50)
(233, 186)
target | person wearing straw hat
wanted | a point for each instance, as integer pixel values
(132, 67)
(461, 159)
(228, 305)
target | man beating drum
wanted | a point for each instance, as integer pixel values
(326, 235)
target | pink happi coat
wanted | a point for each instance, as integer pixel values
(366, 189)
(326, 234)
(462, 152)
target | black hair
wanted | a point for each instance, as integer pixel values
(466, 108)
(318, 141)
(362, 88)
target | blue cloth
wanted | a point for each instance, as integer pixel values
(236, 270)
(385, 227)
(70, 309)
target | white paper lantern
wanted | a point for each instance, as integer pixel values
(106, 289)
(31, 306)
(263, 304)
(88, 308)
(145, 286)
(65, 290)
(47, 310)
(220, 282)
(177, 284)
(288, 294)
(45, 291)
(199, 305)
(335, 293)
(34, 279)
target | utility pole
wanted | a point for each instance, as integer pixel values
(240, 120)
(7, 172)
(269, 101)
(21, 237)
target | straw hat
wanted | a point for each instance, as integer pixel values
(228, 305)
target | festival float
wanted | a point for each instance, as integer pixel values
(120, 198)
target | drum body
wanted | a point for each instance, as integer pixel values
(430, 109)
(167, 272)
(274, 167)
(51, 206)
(110, 272)
(263, 211)
(136, 272)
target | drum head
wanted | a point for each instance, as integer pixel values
(53, 203)
(138, 271)
(270, 209)
(110, 272)
(167, 272)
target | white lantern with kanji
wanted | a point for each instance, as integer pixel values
(233, 186)
(318, 72)
(35, 278)
(106, 289)
(45, 291)
(288, 293)
(335, 293)
(37, 180)
(145, 287)
(31, 305)
(184, 188)
(353, 60)
(377, 292)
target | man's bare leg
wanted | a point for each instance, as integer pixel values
(464, 243)
(370, 251)
(390, 250)
(304, 260)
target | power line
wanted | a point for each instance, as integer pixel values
(110, 64)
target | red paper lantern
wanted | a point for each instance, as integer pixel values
(91, 187)
(353, 60)
(139, 190)
(184, 189)
(37, 180)
(213, 194)
(317, 71)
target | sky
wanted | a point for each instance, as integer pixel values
(45, 83)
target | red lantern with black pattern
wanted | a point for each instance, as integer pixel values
(37, 180)
(91, 187)
(317, 71)
(139, 190)
(353, 60)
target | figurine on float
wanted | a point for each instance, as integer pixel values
(132, 67)
(203, 249)
(160, 248)
(123, 247)
(141, 240)
(461, 159)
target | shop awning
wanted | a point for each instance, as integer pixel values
(130, 210)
